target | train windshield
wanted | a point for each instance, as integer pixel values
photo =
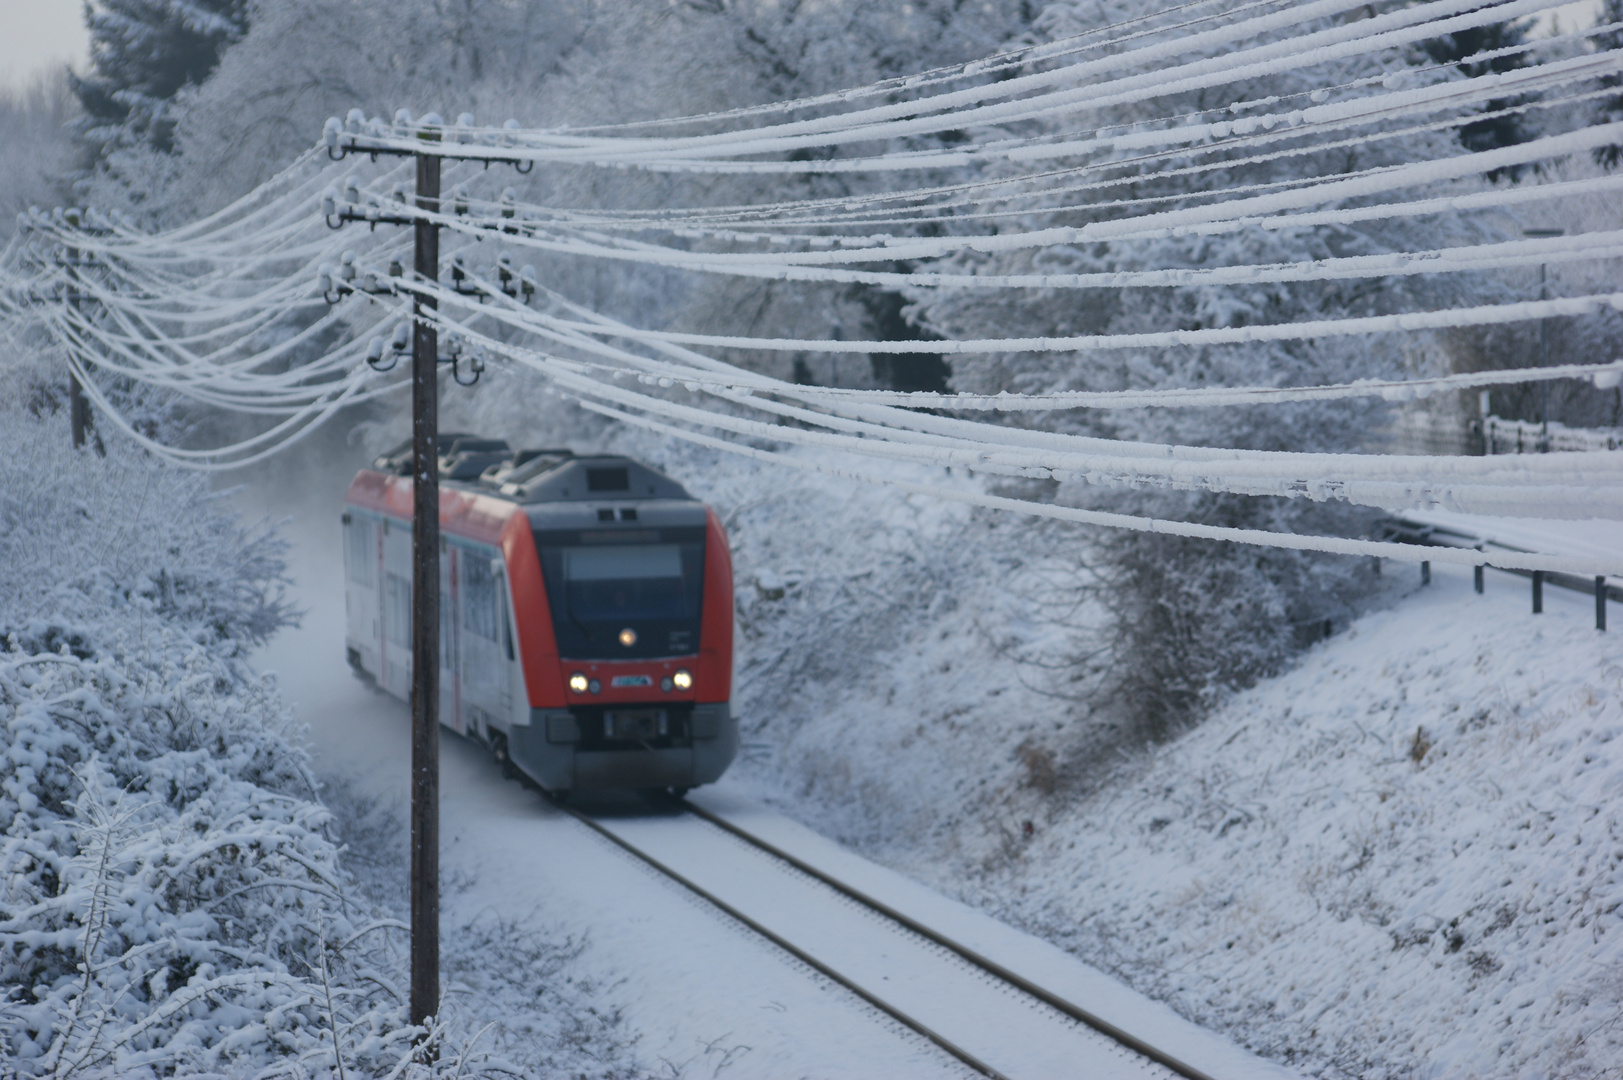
(630, 582)
(602, 584)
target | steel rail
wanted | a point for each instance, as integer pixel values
(787, 946)
(991, 967)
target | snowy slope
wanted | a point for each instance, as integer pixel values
(1400, 858)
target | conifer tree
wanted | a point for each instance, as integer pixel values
(1496, 131)
(144, 52)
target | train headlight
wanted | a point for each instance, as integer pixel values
(594, 686)
(628, 637)
(577, 683)
(683, 679)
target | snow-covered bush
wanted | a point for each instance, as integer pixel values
(170, 889)
(1192, 619)
(173, 898)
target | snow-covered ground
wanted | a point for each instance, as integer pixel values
(1400, 858)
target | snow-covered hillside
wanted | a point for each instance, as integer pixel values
(1403, 857)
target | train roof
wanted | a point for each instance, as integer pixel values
(493, 467)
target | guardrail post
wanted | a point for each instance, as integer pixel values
(1600, 603)
(1425, 572)
(1538, 592)
(1476, 577)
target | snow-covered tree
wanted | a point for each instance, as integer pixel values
(142, 54)
(1194, 617)
(36, 153)
(1610, 109)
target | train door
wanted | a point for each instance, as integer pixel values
(449, 652)
(361, 558)
(395, 676)
(508, 657)
(482, 613)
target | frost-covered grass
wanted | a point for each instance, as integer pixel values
(175, 897)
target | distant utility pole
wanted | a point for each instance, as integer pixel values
(425, 538)
(71, 260)
(1543, 341)
(78, 404)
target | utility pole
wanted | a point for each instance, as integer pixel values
(1543, 342)
(342, 139)
(425, 608)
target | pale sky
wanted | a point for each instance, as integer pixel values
(39, 34)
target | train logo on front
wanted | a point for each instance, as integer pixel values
(632, 680)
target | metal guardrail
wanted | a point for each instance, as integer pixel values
(1424, 432)
(1404, 531)
(1498, 436)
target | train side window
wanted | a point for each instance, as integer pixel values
(507, 625)
(447, 626)
(480, 613)
(362, 552)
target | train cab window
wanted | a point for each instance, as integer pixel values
(602, 584)
(362, 552)
(633, 581)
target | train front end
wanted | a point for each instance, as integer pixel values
(628, 635)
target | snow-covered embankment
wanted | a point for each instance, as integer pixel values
(175, 897)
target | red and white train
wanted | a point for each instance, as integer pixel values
(586, 612)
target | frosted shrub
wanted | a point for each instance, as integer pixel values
(172, 899)
(107, 541)
(1194, 619)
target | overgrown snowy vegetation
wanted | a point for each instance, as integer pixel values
(175, 897)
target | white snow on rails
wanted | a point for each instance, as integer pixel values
(788, 885)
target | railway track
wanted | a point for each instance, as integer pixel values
(993, 1020)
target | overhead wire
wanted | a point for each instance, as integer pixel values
(248, 258)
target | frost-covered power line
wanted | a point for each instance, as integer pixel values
(231, 310)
